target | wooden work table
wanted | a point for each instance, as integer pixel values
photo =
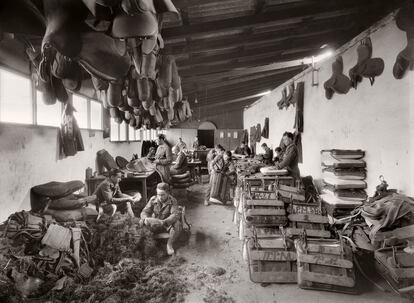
(139, 182)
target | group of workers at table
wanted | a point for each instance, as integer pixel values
(161, 213)
(219, 163)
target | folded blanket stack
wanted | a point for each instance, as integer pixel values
(344, 172)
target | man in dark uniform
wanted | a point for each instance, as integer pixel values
(109, 195)
(162, 214)
(243, 149)
(268, 155)
(290, 157)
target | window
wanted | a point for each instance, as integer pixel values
(96, 115)
(123, 131)
(81, 114)
(131, 133)
(138, 134)
(49, 115)
(114, 131)
(15, 98)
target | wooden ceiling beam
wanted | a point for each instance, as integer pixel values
(244, 38)
(281, 69)
(312, 43)
(241, 81)
(232, 68)
(286, 15)
(247, 99)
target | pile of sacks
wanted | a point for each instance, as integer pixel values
(36, 252)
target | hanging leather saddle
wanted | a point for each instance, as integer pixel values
(366, 66)
(405, 59)
(338, 82)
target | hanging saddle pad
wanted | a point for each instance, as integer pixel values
(345, 184)
(273, 171)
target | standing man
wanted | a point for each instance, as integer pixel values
(196, 144)
(181, 144)
(109, 196)
(162, 214)
(290, 157)
(214, 157)
(163, 158)
(268, 155)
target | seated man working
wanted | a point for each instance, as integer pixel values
(268, 155)
(290, 157)
(161, 214)
(181, 163)
(109, 196)
(243, 149)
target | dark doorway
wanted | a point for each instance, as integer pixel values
(206, 137)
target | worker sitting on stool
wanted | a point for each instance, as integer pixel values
(290, 158)
(181, 163)
(161, 214)
(109, 195)
(268, 155)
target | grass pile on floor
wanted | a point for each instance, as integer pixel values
(131, 280)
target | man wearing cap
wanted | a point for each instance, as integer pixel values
(109, 195)
(161, 214)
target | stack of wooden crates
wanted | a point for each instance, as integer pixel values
(286, 238)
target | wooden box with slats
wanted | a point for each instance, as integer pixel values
(325, 264)
(272, 260)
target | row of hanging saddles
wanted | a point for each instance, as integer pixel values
(366, 67)
(116, 43)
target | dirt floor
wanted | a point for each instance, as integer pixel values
(217, 273)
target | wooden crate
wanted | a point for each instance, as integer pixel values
(308, 217)
(290, 194)
(325, 264)
(264, 212)
(395, 266)
(393, 237)
(272, 260)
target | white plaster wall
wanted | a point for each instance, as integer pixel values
(378, 119)
(187, 134)
(28, 157)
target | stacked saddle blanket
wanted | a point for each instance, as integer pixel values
(343, 176)
(273, 171)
